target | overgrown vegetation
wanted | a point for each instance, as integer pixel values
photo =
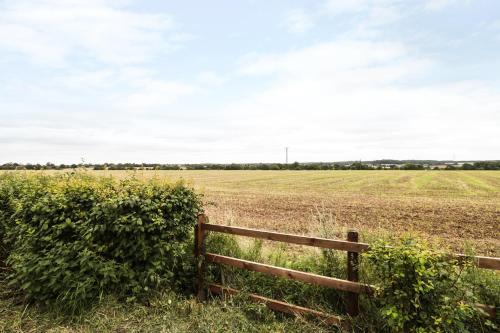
(71, 239)
(122, 250)
(418, 289)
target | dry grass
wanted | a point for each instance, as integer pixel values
(456, 209)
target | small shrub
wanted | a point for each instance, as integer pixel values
(420, 291)
(73, 238)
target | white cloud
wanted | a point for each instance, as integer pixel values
(79, 79)
(345, 6)
(140, 90)
(495, 27)
(95, 90)
(211, 78)
(435, 5)
(69, 145)
(152, 95)
(362, 18)
(324, 59)
(51, 31)
(348, 100)
(356, 6)
(334, 100)
(298, 21)
(381, 15)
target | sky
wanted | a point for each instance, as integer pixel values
(238, 81)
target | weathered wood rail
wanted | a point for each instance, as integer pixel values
(286, 273)
(334, 244)
(352, 285)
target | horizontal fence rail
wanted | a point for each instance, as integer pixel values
(286, 273)
(351, 286)
(279, 305)
(334, 244)
(289, 238)
(480, 261)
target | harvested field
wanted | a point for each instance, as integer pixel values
(453, 208)
(456, 209)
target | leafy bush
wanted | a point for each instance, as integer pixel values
(420, 291)
(73, 238)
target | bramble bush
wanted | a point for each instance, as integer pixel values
(420, 290)
(73, 238)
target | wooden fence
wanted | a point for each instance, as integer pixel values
(352, 285)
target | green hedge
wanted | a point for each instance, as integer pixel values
(72, 238)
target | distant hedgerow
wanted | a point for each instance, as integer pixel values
(74, 237)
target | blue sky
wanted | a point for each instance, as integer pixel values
(237, 81)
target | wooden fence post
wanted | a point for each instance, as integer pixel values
(199, 248)
(352, 303)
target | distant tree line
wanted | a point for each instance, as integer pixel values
(356, 165)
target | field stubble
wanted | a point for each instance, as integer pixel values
(455, 209)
